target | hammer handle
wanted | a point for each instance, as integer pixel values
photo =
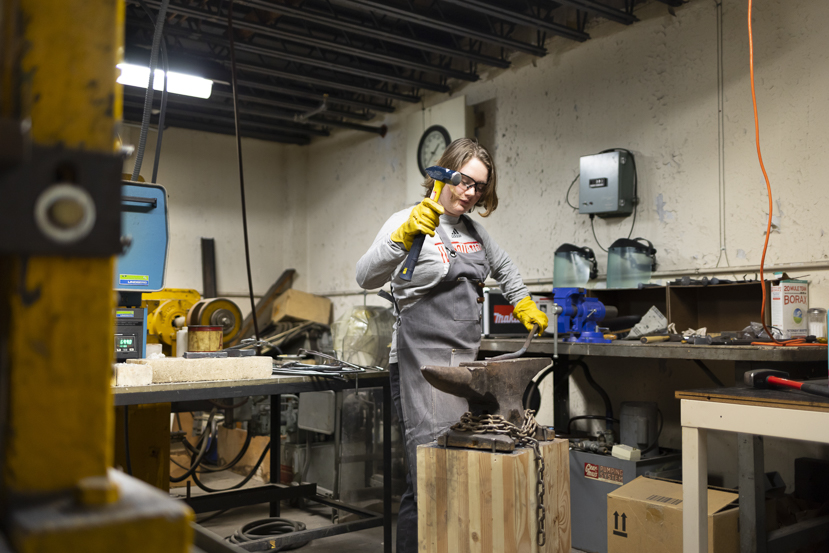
(417, 243)
(802, 386)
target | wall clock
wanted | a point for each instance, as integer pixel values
(434, 140)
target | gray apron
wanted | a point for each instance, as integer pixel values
(443, 328)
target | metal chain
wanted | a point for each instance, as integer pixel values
(524, 437)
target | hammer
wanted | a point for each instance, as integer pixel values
(765, 378)
(441, 176)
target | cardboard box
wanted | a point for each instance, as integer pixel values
(789, 304)
(646, 515)
(294, 305)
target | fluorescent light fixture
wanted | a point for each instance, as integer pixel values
(177, 83)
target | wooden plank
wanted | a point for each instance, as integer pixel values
(785, 399)
(664, 350)
(478, 501)
(208, 267)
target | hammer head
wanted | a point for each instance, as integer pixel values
(444, 175)
(759, 378)
(495, 387)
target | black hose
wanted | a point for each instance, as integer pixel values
(161, 114)
(606, 398)
(148, 98)
(206, 488)
(239, 159)
(709, 373)
(268, 527)
(587, 417)
(196, 461)
(228, 466)
(235, 460)
(127, 439)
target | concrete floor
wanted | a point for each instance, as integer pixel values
(364, 541)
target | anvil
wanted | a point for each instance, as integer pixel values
(492, 386)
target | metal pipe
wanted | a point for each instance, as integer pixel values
(366, 28)
(293, 105)
(184, 57)
(280, 89)
(188, 113)
(323, 82)
(197, 126)
(521, 19)
(602, 10)
(283, 55)
(449, 27)
(313, 41)
(381, 130)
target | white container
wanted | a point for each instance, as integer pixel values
(789, 304)
(181, 341)
(817, 322)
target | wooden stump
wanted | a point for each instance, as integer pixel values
(477, 501)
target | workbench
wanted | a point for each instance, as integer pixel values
(810, 359)
(186, 392)
(752, 414)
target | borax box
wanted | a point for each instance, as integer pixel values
(789, 304)
(645, 516)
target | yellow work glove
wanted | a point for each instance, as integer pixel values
(424, 219)
(528, 313)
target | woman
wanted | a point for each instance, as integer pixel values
(438, 312)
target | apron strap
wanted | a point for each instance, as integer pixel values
(447, 243)
(390, 297)
(471, 228)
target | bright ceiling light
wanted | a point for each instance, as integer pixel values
(177, 83)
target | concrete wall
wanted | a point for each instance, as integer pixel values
(652, 88)
(200, 173)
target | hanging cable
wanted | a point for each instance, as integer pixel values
(794, 342)
(161, 113)
(148, 98)
(197, 459)
(239, 158)
(605, 397)
(166, 65)
(567, 196)
(247, 479)
(765, 174)
(267, 528)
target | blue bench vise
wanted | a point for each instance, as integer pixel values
(580, 316)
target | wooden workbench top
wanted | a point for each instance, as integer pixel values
(663, 350)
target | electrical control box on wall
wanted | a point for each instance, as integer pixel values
(607, 184)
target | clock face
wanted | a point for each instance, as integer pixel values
(432, 144)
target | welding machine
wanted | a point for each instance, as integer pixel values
(141, 265)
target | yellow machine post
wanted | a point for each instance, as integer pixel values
(58, 311)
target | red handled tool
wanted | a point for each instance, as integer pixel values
(766, 378)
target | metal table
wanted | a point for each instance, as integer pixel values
(752, 414)
(274, 492)
(745, 358)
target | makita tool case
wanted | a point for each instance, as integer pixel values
(498, 319)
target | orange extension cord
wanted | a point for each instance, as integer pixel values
(776, 342)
